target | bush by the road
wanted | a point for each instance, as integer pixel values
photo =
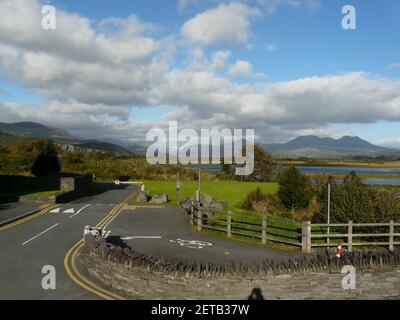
(356, 201)
(295, 189)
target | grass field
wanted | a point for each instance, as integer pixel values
(231, 192)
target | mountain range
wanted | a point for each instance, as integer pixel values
(12, 132)
(300, 147)
(329, 148)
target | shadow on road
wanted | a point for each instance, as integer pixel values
(117, 241)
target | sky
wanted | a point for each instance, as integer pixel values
(114, 69)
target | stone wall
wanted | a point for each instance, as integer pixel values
(142, 277)
(12, 183)
(77, 184)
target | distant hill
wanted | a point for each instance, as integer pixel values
(103, 146)
(10, 139)
(36, 130)
(13, 133)
(329, 148)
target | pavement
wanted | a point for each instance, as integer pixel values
(165, 232)
(12, 211)
(44, 241)
(28, 246)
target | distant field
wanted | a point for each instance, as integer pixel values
(231, 192)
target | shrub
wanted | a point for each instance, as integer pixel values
(252, 197)
(356, 201)
(295, 189)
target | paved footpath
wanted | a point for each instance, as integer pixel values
(12, 211)
(165, 232)
(44, 240)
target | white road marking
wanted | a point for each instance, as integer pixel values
(69, 211)
(79, 211)
(43, 232)
(55, 210)
(141, 237)
(22, 215)
(192, 244)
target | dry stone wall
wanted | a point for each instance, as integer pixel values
(310, 277)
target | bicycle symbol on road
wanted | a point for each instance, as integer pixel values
(192, 244)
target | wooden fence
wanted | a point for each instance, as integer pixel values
(305, 235)
(350, 234)
(262, 228)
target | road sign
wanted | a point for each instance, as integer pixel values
(117, 182)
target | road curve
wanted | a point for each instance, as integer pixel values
(27, 247)
(165, 232)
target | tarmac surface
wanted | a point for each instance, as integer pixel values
(165, 232)
(44, 241)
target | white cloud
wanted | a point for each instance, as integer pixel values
(241, 69)
(226, 23)
(91, 79)
(271, 47)
(393, 67)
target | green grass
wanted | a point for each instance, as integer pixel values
(45, 193)
(231, 192)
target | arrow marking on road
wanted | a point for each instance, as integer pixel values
(43, 232)
(80, 210)
(55, 210)
(69, 211)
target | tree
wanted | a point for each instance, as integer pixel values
(46, 162)
(264, 166)
(295, 189)
(356, 201)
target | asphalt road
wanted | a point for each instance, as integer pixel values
(25, 249)
(13, 210)
(165, 232)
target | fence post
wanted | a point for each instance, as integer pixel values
(306, 237)
(350, 237)
(229, 224)
(191, 215)
(199, 219)
(264, 230)
(391, 236)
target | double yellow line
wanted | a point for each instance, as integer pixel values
(70, 260)
(28, 218)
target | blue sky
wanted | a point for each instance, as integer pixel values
(288, 46)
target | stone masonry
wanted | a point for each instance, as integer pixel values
(141, 277)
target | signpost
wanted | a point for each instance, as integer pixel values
(178, 192)
(329, 214)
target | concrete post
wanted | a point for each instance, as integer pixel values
(229, 224)
(306, 237)
(264, 230)
(391, 236)
(350, 237)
